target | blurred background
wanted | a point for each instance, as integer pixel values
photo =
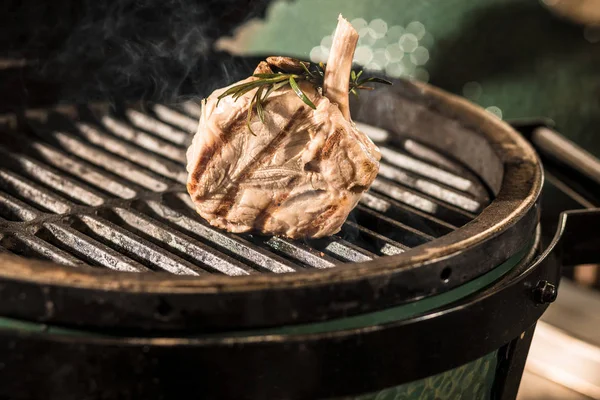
(515, 58)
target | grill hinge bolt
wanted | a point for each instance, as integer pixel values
(545, 292)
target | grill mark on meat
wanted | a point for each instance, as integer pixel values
(206, 156)
(316, 225)
(312, 166)
(331, 142)
(368, 168)
(241, 183)
(358, 188)
(230, 196)
(262, 218)
(354, 175)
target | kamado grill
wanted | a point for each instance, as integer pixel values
(112, 286)
(432, 288)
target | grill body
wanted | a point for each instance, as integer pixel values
(366, 361)
(432, 278)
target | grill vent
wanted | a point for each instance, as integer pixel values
(104, 189)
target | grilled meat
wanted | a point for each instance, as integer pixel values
(299, 172)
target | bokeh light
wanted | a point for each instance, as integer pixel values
(494, 111)
(395, 50)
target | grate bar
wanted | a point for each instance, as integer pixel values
(49, 178)
(425, 153)
(111, 163)
(397, 231)
(232, 243)
(157, 127)
(449, 196)
(347, 251)
(209, 258)
(80, 170)
(135, 247)
(398, 193)
(377, 135)
(143, 140)
(14, 209)
(409, 216)
(32, 246)
(88, 249)
(390, 250)
(409, 163)
(432, 189)
(446, 212)
(382, 245)
(192, 108)
(189, 125)
(301, 252)
(32, 193)
(115, 146)
(374, 202)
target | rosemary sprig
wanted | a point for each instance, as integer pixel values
(357, 83)
(301, 94)
(268, 83)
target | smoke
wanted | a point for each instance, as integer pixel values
(151, 49)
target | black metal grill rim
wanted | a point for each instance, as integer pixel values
(488, 240)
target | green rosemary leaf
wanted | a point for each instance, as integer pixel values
(270, 76)
(307, 70)
(274, 88)
(248, 125)
(267, 83)
(253, 85)
(301, 94)
(376, 80)
(249, 117)
(278, 78)
(233, 90)
(243, 88)
(259, 104)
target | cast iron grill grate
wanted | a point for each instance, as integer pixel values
(105, 188)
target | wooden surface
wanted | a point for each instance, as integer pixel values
(535, 387)
(564, 360)
(576, 311)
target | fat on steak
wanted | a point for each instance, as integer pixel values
(298, 174)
